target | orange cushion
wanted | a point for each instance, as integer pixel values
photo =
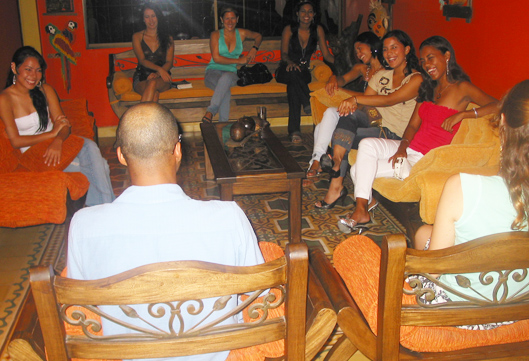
(33, 158)
(31, 198)
(322, 72)
(8, 154)
(122, 83)
(270, 252)
(357, 260)
(77, 113)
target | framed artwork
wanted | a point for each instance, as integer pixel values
(59, 6)
(457, 9)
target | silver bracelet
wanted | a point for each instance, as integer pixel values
(475, 112)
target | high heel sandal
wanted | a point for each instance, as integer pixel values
(347, 225)
(326, 164)
(325, 205)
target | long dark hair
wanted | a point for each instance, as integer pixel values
(374, 42)
(162, 32)
(37, 96)
(412, 62)
(514, 136)
(455, 72)
(294, 26)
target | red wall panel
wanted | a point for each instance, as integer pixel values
(493, 48)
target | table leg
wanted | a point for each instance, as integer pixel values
(294, 211)
(209, 170)
(226, 192)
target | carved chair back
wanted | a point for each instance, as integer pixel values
(496, 258)
(166, 291)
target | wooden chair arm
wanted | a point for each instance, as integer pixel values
(321, 317)
(331, 281)
(349, 316)
(27, 342)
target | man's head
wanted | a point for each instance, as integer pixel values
(148, 140)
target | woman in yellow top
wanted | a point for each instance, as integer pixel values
(221, 73)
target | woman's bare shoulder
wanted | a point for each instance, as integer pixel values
(137, 35)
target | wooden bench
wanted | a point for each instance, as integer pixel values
(191, 60)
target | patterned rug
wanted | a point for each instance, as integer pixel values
(21, 249)
(268, 213)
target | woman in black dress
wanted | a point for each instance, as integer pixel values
(298, 42)
(153, 74)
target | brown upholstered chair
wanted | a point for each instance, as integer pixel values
(302, 340)
(393, 324)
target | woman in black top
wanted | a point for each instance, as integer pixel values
(152, 75)
(298, 43)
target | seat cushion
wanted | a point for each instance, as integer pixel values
(357, 260)
(77, 112)
(31, 198)
(8, 155)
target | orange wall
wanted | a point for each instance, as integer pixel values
(88, 77)
(493, 48)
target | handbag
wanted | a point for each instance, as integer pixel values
(256, 74)
(375, 119)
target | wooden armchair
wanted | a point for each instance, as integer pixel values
(394, 324)
(305, 326)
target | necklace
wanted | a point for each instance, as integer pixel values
(367, 75)
(441, 92)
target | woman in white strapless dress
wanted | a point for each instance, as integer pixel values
(31, 113)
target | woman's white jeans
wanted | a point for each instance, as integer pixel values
(323, 133)
(372, 162)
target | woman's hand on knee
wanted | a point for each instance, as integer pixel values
(164, 74)
(348, 106)
(292, 66)
(52, 155)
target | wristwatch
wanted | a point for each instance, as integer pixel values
(255, 47)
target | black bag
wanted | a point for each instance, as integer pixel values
(257, 74)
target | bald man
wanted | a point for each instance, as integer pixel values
(154, 220)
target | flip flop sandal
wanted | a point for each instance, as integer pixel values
(206, 120)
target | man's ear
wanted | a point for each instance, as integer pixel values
(121, 157)
(177, 152)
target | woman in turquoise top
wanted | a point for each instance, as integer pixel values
(221, 73)
(473, 206)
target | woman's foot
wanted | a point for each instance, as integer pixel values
(314, 170)
(359, 220)
(324, 205)
(207, 118)
(296, 138)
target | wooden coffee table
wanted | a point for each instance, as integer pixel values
(272, 170)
